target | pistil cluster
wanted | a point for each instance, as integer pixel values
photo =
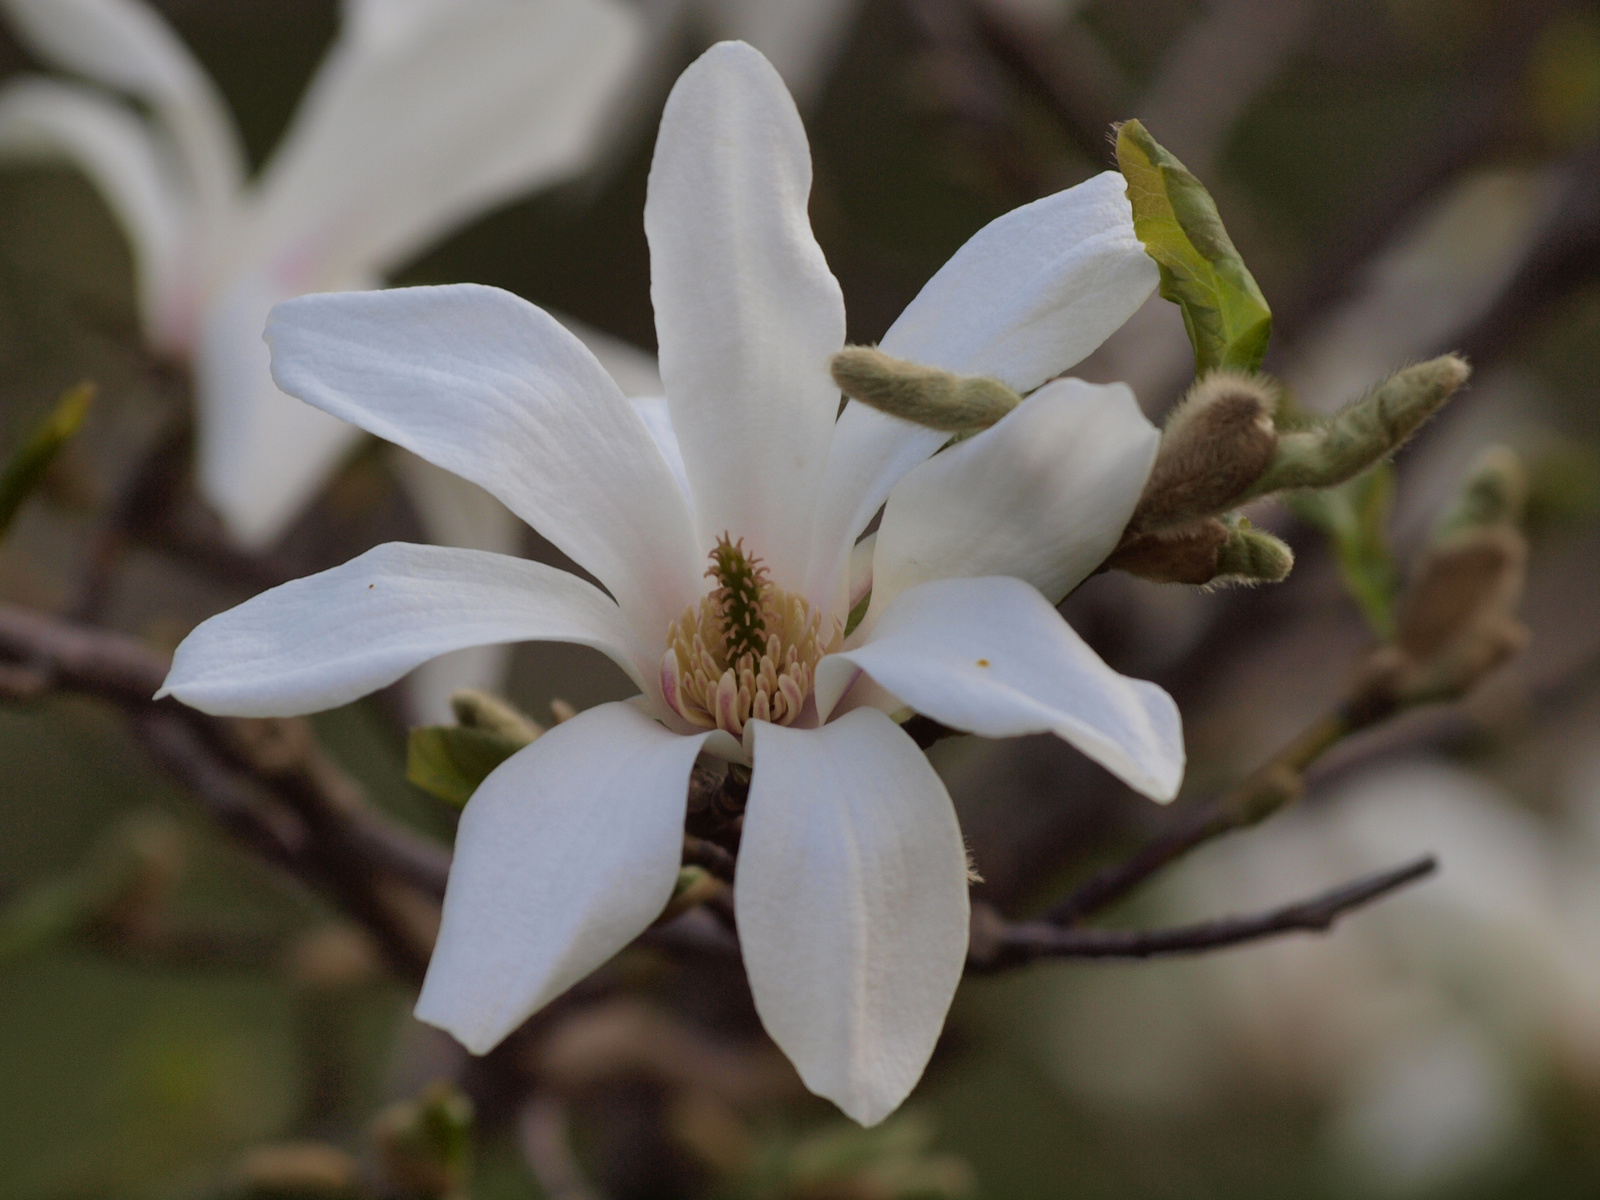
(746, 652)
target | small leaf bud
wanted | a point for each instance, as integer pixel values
(1252, 556)
(1217, 442)
(924, 395)
(480, 710)
(1359, 435)
(1495, 492)
(425, 1144)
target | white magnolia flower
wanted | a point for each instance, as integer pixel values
(851, 890)
(424, 114)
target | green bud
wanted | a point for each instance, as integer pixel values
(1495, 491)
(480, 710)
(23, 471)
(425, 1144)
(1370, 429)
(1252, 555)
(927, 396)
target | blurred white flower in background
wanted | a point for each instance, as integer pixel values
(1426, 1026)
(851, 894)
(424, 114)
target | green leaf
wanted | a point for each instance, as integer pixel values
(24, 469)
(1355, 516)
(450, 761)
(1224, 312)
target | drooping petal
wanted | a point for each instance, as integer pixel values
(565, 853)
(324, 640)
(993, 657)
(126, 44)
(747, 312)
(1044, 495)
(262, 455)
(425, 115)
(1030, 295)
(851, 900)
(484, 384)
(454, 512)
(40, 118)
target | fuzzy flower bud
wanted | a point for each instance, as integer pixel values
(1216, 443)
(925, 395)
(1362, 433)
(479, 710)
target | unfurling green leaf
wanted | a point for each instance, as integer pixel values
(24, 469)
(1355, 516)
(450, 761)
(1228, 320)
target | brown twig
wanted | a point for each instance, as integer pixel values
(1265, 791)
(267, 781)
(997, 944)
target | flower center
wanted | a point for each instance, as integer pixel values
(746, 652)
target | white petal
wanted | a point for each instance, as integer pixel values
(992, 657)
(325, 640)
(635, 370)
(426, 116)
(454, 512)
(565, 853)
(657, 417)
(747, 312)
(1033, 292)
(801, 38)
(484, 384)
(1030, 295)
(262, 455)
(43, 118)
(127, 45)
(851, 900)
(1044, 495)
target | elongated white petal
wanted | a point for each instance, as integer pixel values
(801, 38)
(657, 417)
(425, 116)
(1033, 292)
(747, 312)
(40, 118)
(484, 384)
(1030, 295)
(329, 638)
(992, 657)
(851, 899)
(1044, 495)
(262, 455)
(454, 512)
(127, 45)
(565, 853)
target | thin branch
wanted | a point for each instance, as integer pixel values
(1267, 789)
(997, 945)
(269, 782)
